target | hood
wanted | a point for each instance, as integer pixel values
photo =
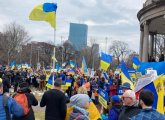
(79, 114)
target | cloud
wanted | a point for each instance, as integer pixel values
(115, 19)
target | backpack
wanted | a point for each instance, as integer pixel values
(21, 99)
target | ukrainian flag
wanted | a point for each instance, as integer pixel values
(136, 62)
(24, 66)
(63, 64)
(156, 86)
(45, 12)
(84, 69)
(18, 66)
(125, 75)
(50, 81)
(105, 61)
(12, 64)
(72, 64)
(48, 73)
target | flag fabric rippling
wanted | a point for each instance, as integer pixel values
(125, 75)
(105, 61)
(45, 12)
(136, 62)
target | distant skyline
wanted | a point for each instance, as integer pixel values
(114, 19)
(78, 35)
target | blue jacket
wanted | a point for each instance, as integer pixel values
(114, 113)
(149, 114)
(14, 108)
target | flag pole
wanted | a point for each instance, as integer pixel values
(54, 58)
(54, 55)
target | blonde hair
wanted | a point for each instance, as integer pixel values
(82, 90)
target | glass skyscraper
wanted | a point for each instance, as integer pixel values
(78, 35)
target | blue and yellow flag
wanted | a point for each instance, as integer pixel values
(12, 64)
(50, 81)
(125, 75)
(72, 63)
(157, 88)
(136, 62)
(24, 66)
(84, 69)
(63, 64)
(105, 61)
(45, 12)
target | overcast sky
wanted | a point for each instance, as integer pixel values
(114, 19)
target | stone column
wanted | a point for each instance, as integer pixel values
(151, 45)
(145, 42)
(141, 44)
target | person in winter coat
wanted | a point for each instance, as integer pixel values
(115, 108)
(130, 106)
(113, 90)
(32, 101)
(92, 110)
(55, 102)
(8, 106)
(146, 99)
(80, 103)
(6, 82)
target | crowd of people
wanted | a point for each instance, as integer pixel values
(79, 102)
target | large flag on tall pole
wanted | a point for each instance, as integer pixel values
(136, 62)
(105, 61)
(84, 69)
(45, 12)
(125, 77)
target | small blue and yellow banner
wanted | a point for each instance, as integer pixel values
(103, 97)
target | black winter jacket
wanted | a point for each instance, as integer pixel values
(128, 112)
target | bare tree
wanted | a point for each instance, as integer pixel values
(13, 37)
(68, 51)
(159, 48)
(119, 50)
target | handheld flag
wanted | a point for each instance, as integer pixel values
(136, 63)
(84, 69)
(125, 75)
(105, 61)
(72, 64)
(58, 66)
(50, 82)
(12, 64)
(45, 12)
(63, 64)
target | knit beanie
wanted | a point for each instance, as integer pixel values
(79, 100)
